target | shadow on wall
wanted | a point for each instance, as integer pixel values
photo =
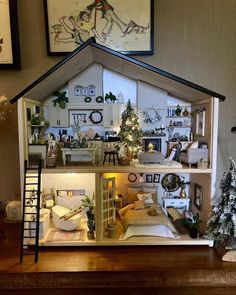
(9, 154)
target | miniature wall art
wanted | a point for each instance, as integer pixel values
(125, 26)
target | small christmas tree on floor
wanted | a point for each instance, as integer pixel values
(130, 131)
(221, 226)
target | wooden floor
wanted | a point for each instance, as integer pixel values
(113, 270)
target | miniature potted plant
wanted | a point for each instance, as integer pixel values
(110, 97)
(88, 206)
(192, 222)
(178, 110)
(61, 99)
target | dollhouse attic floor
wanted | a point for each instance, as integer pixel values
(101, 270)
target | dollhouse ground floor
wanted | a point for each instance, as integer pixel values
(120, 270)
(130, 205)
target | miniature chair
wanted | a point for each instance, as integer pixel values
(111, 155)
(111, 152)
(192, 155)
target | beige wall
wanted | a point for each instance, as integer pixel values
(193, 39)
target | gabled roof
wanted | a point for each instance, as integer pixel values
(90, 52)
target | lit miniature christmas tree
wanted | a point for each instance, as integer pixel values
(130, 131)
(221, 226)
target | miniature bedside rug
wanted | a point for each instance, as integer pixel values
(62, 235)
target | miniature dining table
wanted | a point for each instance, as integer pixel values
(78, 151)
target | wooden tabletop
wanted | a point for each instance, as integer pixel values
(125, 270)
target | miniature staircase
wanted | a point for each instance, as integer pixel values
(31, 215)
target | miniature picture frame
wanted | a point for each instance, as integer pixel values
(149, 178)
(197, 198)
(156, 178)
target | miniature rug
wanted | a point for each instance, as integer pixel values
(62, 235)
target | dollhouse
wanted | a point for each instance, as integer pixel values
(95, 187)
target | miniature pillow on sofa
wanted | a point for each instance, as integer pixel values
(194, 145)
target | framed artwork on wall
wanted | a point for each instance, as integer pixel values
(9, 37)
(200, 122)
(197, 198)
(125, 26)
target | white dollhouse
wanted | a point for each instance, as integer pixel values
(129, 197)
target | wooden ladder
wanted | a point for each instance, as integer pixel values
(31, 212)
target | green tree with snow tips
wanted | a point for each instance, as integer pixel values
(221, 225)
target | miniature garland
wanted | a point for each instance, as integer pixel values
(87, 99)
(98, 120)
(99, 99)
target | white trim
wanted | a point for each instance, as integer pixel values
(214, 138)
(20, 112)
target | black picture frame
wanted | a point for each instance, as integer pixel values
(55, 28)
(197, 198)
(12, 38)
(28, 114)
(156, 178)
(149, 178)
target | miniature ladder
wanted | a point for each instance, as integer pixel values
(31, 214)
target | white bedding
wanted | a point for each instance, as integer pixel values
(148, 230)
(141, 223)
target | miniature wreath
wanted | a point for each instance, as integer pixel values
(87, 99)
(93, 120)
(99, 99)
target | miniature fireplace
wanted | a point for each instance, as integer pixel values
(151, 142)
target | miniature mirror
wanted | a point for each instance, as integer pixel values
(171, 182)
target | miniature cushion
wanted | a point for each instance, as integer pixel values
(194, 145)
(146, 197)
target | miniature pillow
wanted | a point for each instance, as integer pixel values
(152, 190)
(194, 145)
(185, 145)
(146, 197)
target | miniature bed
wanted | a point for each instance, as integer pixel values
(150, 221)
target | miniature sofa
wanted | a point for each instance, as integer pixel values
(193, 155)
(69, 224)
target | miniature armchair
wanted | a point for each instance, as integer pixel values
(193, 155)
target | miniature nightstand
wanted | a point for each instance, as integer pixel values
(176, 203)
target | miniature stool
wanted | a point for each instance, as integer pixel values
(111, 154)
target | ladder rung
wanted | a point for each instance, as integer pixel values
(30, 190)
(31, 198)
(32, 183)
(31, 176)
(30, 213)
(30, 221)
(29, 237)
(30, 228)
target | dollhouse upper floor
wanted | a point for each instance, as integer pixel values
(86, 76)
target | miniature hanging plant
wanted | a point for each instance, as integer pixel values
(61, 99)
(110, 96)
